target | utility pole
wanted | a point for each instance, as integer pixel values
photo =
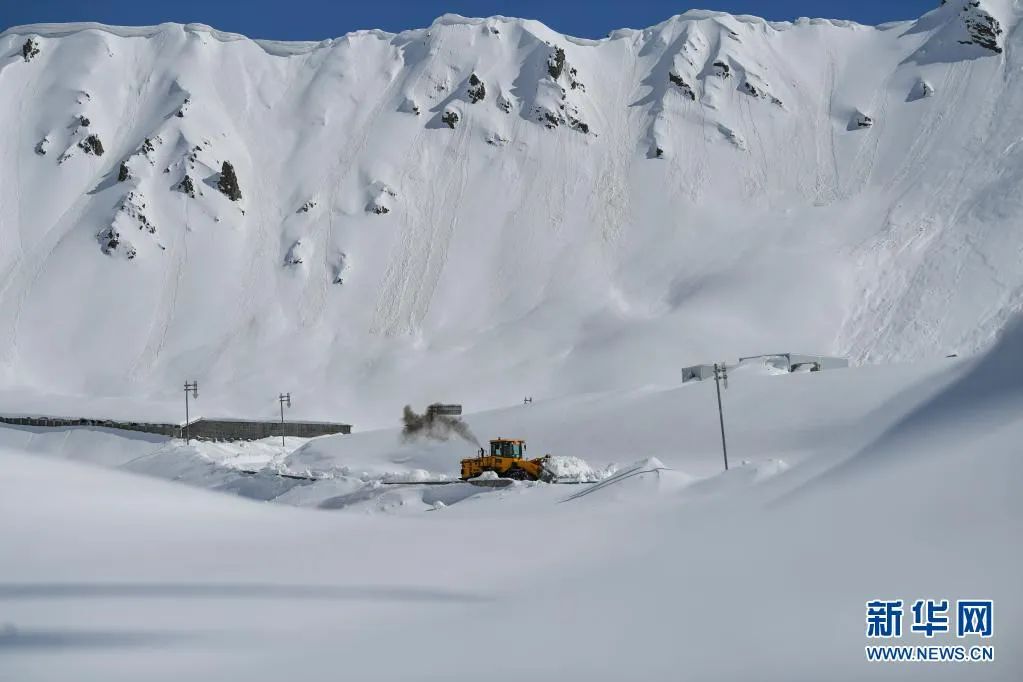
(194, 388)
(721, 374)
(284, 398)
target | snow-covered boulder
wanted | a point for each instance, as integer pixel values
(450, 118)
(382, 199)
(861, 120)
(921, 90)
(297, 254)
(341, 265)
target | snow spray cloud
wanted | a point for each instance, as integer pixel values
(434, 426)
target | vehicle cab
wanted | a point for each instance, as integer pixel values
(501, 447)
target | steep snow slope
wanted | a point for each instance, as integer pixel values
(486, 209)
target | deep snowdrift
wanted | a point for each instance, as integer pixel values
(485, 209)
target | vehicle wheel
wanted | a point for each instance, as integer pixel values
(516, 474)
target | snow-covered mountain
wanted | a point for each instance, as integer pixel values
(487, 209)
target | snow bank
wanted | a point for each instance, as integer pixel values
(576, 469)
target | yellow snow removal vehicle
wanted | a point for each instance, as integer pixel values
(507, 460)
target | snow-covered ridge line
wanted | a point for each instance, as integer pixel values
(277, 48)
(288, 47)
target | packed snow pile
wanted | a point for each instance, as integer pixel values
(766, 469)
(511, 196)
(771, 365)
(574, 469)
(414, 476)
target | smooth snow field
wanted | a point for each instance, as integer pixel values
(845, 485)
(544, 230)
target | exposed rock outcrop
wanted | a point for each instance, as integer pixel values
(228, 182)
(553, 106)
(759, 92)
(29, 50)
(733, 137)
(123, 173)
(496, 139)
(686, 89)
(110, 243)
(556, 63)
(984, 30)
(92, 145)
(180, 113)
(187, 186)
(450, 118)
(148, 147)
(477, 89)
(133, 206)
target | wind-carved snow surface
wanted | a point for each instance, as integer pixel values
(527, 213)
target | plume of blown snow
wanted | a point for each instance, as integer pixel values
(434, 426)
